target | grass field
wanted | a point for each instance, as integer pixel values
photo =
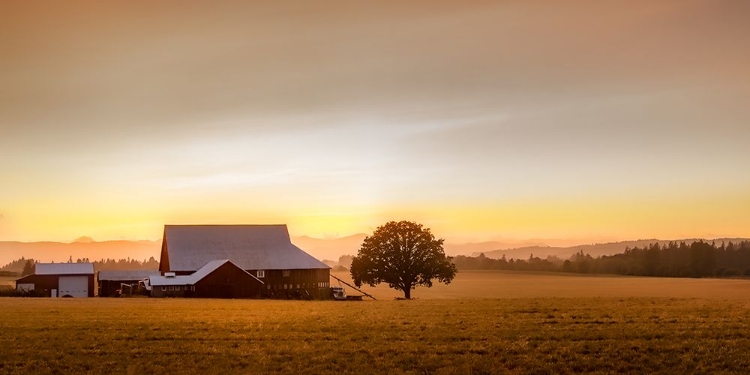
(10, 281)
(513, 284)
(488, 330)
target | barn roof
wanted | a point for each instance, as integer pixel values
(126, 275)
(251, 247)
(64, 269)
(158, 280)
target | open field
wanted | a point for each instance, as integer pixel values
(10, 281)
(611, 331)
(514, 284)
(423, 336)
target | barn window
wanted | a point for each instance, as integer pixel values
(171, 288)
(284, 286)
(297, 286)
(164, 289)
(285, 273)
(261, 274)
(268, 286)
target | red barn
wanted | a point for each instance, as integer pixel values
(217, 279)
(60, 280)
(264, 251)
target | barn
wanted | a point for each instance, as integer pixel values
(60, 280)
(264, 251)
(110, 282)
(217, 279)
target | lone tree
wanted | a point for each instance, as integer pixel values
(404, 255)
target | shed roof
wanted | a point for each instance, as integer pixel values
(158, 280)
(64, 269)
(251, 247)
(126, 274)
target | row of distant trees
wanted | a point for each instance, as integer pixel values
(23, 266)
(697, 259)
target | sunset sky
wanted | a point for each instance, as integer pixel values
(594, 121)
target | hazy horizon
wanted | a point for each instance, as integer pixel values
(509, 121)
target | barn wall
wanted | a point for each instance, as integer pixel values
(45, 283)
(173, 291)
(91, 285)
(310, 283)
(42, 283)
(228, 281)
(164, 257)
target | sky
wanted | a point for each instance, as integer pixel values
(483, 120)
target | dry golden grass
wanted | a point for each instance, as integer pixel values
(8, 281)
(534, 334)
(511, 284)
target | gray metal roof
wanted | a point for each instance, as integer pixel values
(204, 271)
(176, 280)
(126, 275)
(251, 247)
(64, 269)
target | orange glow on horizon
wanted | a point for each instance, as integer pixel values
(562, 121)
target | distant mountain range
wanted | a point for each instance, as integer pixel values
(594, 250)
(323, 249)
(332, 249)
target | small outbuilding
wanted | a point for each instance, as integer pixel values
(216, 279)
(60, 280)
(111, 282)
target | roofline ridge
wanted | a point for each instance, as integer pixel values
(226, 225)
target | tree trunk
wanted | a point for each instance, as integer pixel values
(407, 292)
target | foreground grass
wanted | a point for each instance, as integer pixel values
(568, 335)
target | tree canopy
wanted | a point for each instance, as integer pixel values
(28, 268)
(404, 255)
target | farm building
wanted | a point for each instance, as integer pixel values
(111, 282)
(60, 280)
(218, 278)
(264, 251)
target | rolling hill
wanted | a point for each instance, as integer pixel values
(594, 250)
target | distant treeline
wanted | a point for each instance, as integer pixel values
(14, 268)
(697, 259)
(23, 267)
(126, 264)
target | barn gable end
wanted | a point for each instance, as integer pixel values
(218, 278)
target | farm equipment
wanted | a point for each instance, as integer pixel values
(339, 294)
